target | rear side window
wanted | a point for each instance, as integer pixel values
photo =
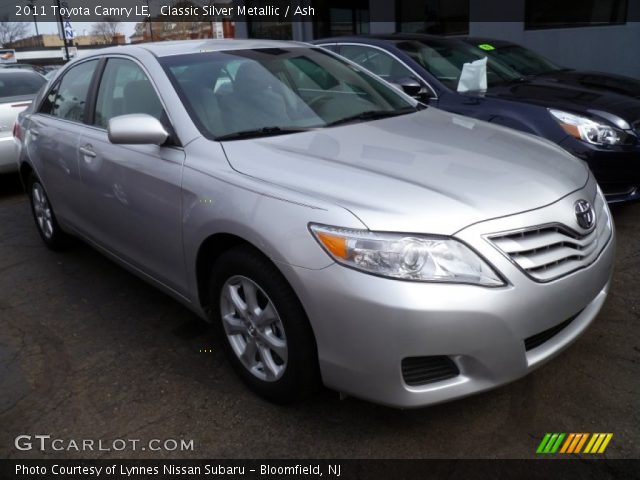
(69, 98)
(17, 84)
(47, 104)
(125, 89)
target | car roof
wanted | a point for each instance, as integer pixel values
(18, 71)
(416, 36)
(179, 47)
(378, 39)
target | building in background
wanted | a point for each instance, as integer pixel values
(584, 34)
(161, 31)
(54, 41)
(581, 34)
(48, 49)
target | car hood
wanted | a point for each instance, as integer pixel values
(426, 172)
(572, 99)
(617, 84)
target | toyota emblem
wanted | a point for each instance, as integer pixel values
(585, 215)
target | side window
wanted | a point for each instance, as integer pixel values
(376, 61)
(47, 104)
(125, 89)
(69, 97)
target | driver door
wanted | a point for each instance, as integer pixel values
(132, 193)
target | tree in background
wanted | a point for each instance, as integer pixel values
(12, 31)
(106, 30)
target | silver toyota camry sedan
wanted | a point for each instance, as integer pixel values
(335, 231)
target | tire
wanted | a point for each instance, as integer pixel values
(282, 364)
(44, 217)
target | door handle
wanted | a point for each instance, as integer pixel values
(33, 132)
(87, 151)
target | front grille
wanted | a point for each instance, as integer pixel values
(423, 370)
(539, 338)
(549, 252)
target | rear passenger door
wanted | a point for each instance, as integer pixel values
(132, 193)
(54, 131)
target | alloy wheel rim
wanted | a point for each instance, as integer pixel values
(42, 210)
(254, 328)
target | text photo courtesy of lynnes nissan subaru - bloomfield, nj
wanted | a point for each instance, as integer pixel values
(357, 238)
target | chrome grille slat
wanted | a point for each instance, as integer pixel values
(548, 252)
(551, 256)
(536, 241)
(558, 271)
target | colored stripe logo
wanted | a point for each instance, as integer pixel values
(593, 443)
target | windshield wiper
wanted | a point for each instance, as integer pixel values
(372, 115)
(508, 82)
(262, 132)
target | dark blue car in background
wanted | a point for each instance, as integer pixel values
(531, 64)
(600, 127)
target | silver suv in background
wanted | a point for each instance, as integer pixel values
(333, 229)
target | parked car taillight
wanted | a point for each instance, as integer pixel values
(17, 131)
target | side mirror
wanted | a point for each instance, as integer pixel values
(410, 86)
(138, 129)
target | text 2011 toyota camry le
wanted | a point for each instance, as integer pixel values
(334, 230)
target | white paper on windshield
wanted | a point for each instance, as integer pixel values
(474, 76)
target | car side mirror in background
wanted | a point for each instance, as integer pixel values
(410, 86)
(137, 128)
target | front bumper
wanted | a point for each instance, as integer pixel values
(365, 325)
(617, 169)
(8, 155)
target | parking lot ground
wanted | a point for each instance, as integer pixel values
(89, 351)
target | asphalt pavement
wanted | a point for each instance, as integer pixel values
(90, 352)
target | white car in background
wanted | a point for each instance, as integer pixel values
(18, 87)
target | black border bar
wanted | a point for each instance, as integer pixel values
(379, 11)
(580, 468)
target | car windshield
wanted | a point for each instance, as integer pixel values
(258, 92)
(524, 61)
(16, 84)
(445, 60)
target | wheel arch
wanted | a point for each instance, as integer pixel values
(25, 171)
(210, 249)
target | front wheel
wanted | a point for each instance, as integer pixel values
(45, 218)
(267, 336)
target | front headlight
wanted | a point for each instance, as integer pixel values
(406, 257)
(589, 130)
